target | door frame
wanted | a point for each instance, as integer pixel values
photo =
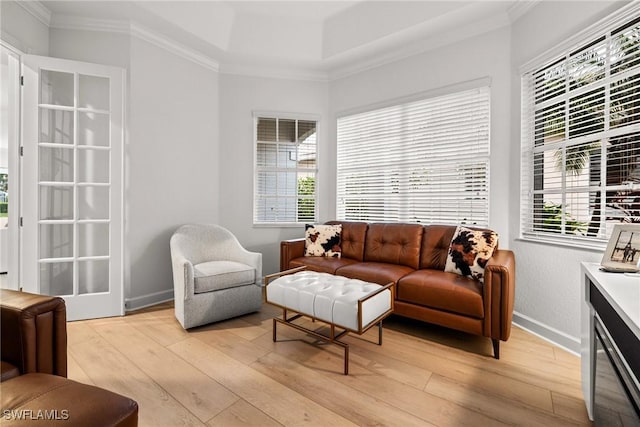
(14, 113)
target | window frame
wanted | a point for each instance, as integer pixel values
(417, 214)
(563, 53)
(256, 115)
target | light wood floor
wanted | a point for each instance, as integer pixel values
(232, 373)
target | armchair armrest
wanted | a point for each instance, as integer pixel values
(34, 332)
(290, 249)
(499, 289)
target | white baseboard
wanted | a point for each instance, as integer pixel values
(136, 303)
(547, 333)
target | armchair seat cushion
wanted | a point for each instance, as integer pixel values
(217, 275)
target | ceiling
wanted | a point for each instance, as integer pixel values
(303, 37)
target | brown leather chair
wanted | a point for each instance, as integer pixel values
(34, 389)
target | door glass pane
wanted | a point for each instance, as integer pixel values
(93, 166)
(56, 164)
(93, 129)
(93, 202)
(93, 240)
(56, 88)
(56, 202)
(56, 126)
(56, 240)
(94, 92)
(93, 276)
(56, 278)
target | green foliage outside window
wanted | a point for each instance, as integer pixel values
(552, 220)
(306, 205)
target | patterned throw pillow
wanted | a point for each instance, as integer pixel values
(470, 251)
(322, 240)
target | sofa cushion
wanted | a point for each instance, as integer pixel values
(216, 275)
(394, 243)
(375, 272)
(444, 291)
(322, 240)
(321, 264)
(470, 251)
(352, 238)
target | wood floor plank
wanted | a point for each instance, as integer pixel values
(428, 407)
(540, 372)
(242, 414)
(440, 362)
(231, 344)
(421, 375)
(508, 411)
(369, 355)
(164, 331)
(570, 407)
(323, 388)
(276, 400)
(110, 369)
(200, 394)
(75, 371)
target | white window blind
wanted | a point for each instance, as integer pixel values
(285, 170)
(424, 161)
(581, 138)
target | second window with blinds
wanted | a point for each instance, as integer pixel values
(423, 161)
(286, 168)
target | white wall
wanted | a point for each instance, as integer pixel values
(482, 57)
(240, 96)
(548, 281)
(172, 173)
(22, 30)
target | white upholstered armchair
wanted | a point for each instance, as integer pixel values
(214, 277)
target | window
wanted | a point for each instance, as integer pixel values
(581, 138)
(422, 161)
(286, 168)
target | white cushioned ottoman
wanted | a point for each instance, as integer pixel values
(332, 299)
(350, 304)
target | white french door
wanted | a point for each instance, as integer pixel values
(72, 184)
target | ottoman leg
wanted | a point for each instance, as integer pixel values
(380, 333)
(346, 360)
(274, 329)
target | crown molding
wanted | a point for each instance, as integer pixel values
(174, 47)
(66, 22)
(38, 10)
(289, 73)
(408, 45)
(134, 29)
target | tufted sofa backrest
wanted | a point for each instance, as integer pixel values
(395, 243)
(352, 239)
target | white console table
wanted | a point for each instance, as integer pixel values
(622, 293)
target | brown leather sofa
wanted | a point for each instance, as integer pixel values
(34, 389)
(413, 257)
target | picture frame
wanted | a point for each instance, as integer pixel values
(623, 250)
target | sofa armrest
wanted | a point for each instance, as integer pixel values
(290, 249)
(34, 332)
(499, 288)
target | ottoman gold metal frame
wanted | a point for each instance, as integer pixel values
(333, 337)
